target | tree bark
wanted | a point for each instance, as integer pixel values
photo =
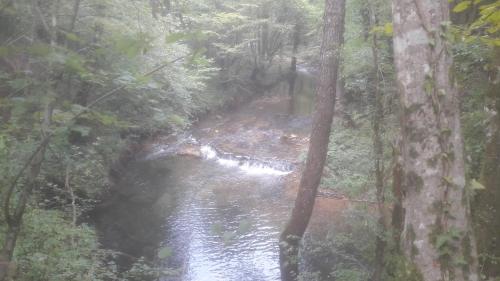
(378, 148)
(318, 146)
(340, 114)
(293, 68)
(437, 239)
(76, 9)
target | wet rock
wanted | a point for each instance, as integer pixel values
(289, 139)
(190, 151)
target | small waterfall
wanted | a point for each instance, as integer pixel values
(166, 150)
(247, 164)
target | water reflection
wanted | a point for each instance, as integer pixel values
(226, 224)
(220, 215)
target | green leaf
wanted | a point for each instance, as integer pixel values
(442, 241)
(18, 84)
(132, 46)
(449, 181)
(460, 261)
(3, 144)
(4, 51)
(462, 6)
(388, 29)
(75, 64)
(72, 37)
(39, 49)
(174, 37)
(84, 131)
(476, 185)
(164, 253)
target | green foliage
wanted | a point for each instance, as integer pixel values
(350, 275)
(486, 27)
(347, 249)
(349, 162)
(397, 267)
(385, 30)
(52, 249)
(164, 252)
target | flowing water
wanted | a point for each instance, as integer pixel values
(215, 214)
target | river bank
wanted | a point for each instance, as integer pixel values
(217, 196)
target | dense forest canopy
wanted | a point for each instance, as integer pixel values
(401, 154)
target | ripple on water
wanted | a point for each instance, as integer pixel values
(226, 224)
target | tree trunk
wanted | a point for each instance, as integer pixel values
(397, 191)
(76, 8)
(340, 114)
(437, 239)
(378, 148)
(318, 146)
(14, 220)
(293, 68)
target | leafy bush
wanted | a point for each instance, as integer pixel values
(52, 249)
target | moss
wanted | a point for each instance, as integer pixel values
(467, 256)
(432, 162)
(413, 152)
(437, 207)
(437, 229)
(416, 135)
(410, 238)
(413, 108)
(415, 181)
(399, 268)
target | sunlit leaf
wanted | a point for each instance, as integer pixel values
(477, 185)
(175, 37)
(462, 6)
(164, 253)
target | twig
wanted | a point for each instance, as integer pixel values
(71, 193)
(73, 205)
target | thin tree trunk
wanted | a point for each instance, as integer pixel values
(318, 146)
(397, 191)
(293, 68)
(76, 9)
(437, 239)
(340, 113)
(14, 220)
(378, 149)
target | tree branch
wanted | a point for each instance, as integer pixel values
(47, 137)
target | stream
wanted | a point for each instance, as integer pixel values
(214, 200)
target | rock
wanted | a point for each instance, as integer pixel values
(190, 151)
(288, 138)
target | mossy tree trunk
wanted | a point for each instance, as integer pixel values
(318, 146)
(437, 239)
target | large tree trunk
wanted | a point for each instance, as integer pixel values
(318, 146)
(437, 238)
